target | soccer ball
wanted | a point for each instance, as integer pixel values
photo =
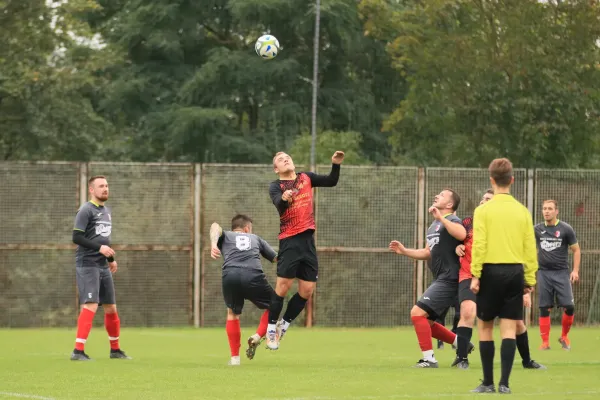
(267, 46)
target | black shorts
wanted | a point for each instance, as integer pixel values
(297, 257)
(241, 284)
(438, 297)
(501, 292)
(464, 291)
(95, 285)
(554, 284)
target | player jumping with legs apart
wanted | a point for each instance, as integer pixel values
(292, 195)
(445, 233)
(469, 308)
(243, 279)
(95, 264)
(554, 239)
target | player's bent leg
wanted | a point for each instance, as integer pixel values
(523, 348)
(424, 337)
(282, 286)
(295, 306)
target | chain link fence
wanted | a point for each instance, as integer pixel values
(162, 214)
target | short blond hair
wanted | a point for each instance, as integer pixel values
(551, 201)
(275, 156)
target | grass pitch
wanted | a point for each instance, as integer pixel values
(311, 364)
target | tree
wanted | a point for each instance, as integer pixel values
(327, 143)
(487, 79)
(46, 79)
(191, 88)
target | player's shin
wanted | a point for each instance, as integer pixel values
(442, 333)
(294, 308)
(545, 325)
(463, 335)
(84, 326)
(234, 335)
(423, 331)
(567, 320)
(112, 323)
(261, 331)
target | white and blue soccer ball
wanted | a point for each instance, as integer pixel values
(267, 47)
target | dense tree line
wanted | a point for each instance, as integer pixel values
(440, 82)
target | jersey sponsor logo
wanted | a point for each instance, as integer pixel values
(432, 242)
(103, 230)
(550, 245)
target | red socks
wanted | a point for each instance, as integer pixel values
(84, 326)
(234, 334)
(262, 326)
(113, 328)
(423, 330)
(567, 321)
(545, 329)
(442, 333)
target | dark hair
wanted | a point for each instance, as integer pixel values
(93, 178)
(240, 221)
(551, 201)
(489, 191)
(501, 170)
(455, 199)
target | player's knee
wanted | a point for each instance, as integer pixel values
(521, 328)
(417, 311)
(283, 286)
(306, 289)
(467, 311)
(110, 308)
(544, 312)
(93, 307)
(570, 310)
(232, 315)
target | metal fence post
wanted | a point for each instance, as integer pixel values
(530, 205)
(197, 243)
(420, 228)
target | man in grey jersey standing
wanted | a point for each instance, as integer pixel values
(554, 239)
(94, 266)
(243, 279)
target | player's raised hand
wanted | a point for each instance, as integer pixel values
(112, 266)
(475, 285)
(287, 195)
(337, 157)
(106, 251)
(436, 213)
(215, 252)
(574, 277)
(397, 247)
(460, 250)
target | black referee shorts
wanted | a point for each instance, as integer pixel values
(501, 292)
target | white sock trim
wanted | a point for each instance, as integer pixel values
(113, 338)
(428, 356)
(78, 340)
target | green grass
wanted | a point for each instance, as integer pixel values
(310, 364)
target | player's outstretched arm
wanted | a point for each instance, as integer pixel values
(216, 233)
(278, 199)
(332, 179)
(417, 254)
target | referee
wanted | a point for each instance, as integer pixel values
(504, 263)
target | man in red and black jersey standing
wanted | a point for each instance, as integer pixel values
(292, 195)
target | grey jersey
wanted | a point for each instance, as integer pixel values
(243, 250)
(444, 262)
(95, 221)
(553, 244)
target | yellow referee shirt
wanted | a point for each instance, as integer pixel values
(503, 234)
